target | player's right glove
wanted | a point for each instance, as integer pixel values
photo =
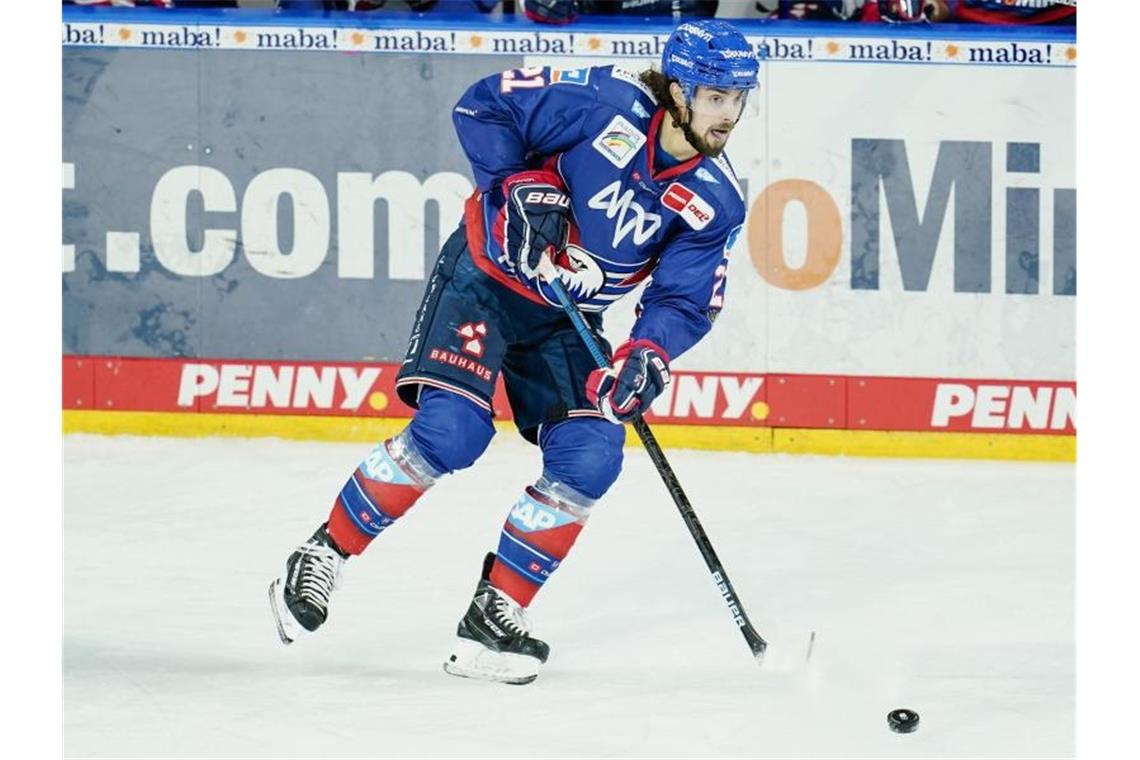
(551, 11)
(537, 219)
(639, 373)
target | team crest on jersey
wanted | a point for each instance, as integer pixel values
(628, 215)
(619, 142)
(693, 208)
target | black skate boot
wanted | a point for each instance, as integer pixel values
(300, 598)
(493, 640)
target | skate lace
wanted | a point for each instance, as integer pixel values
(320, 573)
(510, 616)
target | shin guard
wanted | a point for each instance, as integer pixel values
(537, 536)
(385, 486)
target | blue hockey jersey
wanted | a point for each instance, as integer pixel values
(596, 129)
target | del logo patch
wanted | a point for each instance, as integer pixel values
(693, 208)
(619, 142)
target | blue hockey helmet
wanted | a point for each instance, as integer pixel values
(709, 53)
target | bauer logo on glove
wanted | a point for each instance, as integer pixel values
(639, 374)
(537, 220)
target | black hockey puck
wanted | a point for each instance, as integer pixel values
(902, 721)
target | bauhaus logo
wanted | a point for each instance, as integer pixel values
(473, 334)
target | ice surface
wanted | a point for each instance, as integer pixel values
(942, 586)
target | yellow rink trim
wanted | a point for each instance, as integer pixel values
(866, 443)
(906, 443)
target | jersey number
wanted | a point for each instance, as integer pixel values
(717, 300)
(525, 78)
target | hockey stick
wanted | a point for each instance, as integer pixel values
(755, 641)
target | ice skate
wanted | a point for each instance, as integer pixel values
(300, 598)
(493, 641)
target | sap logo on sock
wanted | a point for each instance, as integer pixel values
(251, 386)
(379, 466)
(530, 515)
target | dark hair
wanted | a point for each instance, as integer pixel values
(658, 84)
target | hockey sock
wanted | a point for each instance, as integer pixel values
(381, 489)
(537, 536)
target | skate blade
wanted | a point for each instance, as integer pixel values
(470, 659)
(281, 616)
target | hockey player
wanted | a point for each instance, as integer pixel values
(618, 178)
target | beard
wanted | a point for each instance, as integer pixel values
(703, 146)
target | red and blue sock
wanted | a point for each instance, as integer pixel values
(377, 494)
(535, 539)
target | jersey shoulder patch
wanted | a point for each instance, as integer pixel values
(721, 163)
(619, 141)
(631, 77)
(580, 77)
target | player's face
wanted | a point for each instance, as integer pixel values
(717, 103)
(714, 114)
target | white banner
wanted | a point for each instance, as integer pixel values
(904, 220)
(911, 201)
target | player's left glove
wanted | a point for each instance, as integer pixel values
(537, 219)
(640, 372)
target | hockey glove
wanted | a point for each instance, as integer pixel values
(640, 372)
(537, 219)
(551, 11)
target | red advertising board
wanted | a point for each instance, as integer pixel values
(701, 398)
